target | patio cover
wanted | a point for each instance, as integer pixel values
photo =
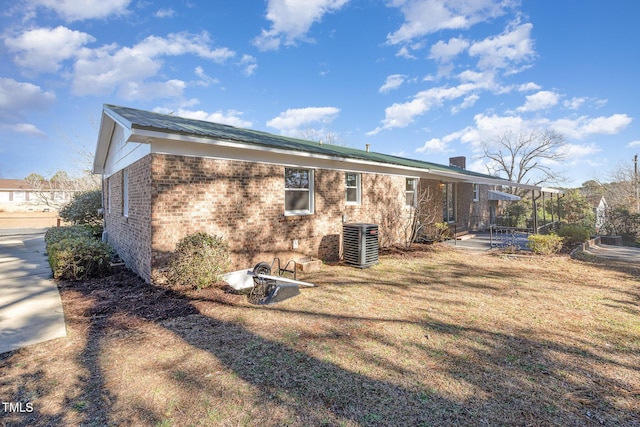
(499, 195)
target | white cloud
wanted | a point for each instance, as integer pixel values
(205, 80)
(403, 52)
(401, 115)
(423, 17)
(229, 117)
(468, 102)
(294, 120)
(249, 63)
(574, 103)
(165, 13)
(434, 145)
(539, 101)
(526, 87)
(511, 47)
(126, 69)
(151, 90)
(43, 49)
(16, 97)
(292, 19)
(24, 128)
(633, 144)
(392, 82)
(573, 151)
(446, 51)
(584, 126)
(78, 10)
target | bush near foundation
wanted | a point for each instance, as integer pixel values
(75, 254)
(545, 244)
(56, 234)
(574, 234)
(83, 208)
(199, 261)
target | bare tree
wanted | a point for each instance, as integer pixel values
(59, 189)
(622, 190)
(420, 216)
(323, 136)
(526, 157)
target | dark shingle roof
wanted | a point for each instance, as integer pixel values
(140, 119)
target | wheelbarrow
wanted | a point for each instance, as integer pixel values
(268, 289)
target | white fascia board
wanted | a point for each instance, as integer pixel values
(102, 144)
(108, 121)
(551, 190)
(481, 180)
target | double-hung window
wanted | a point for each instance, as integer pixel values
(410, 192)
(298, 191)
(476, 192)
(352, 188)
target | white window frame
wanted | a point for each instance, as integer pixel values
(309, 190)
(414, 192)
(125, 192)
(476, 192)
(358, 188)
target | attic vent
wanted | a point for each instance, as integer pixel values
(360, 244)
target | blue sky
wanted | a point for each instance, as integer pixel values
(426, 79)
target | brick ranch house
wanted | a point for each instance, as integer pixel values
(165, 177)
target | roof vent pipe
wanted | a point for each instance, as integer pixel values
(367, 147)
(320, 142)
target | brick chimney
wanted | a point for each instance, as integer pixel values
(459, 162)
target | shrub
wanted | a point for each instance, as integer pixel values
(56, 234)
(200, 260)
(545, 244)
(573, 234)
(83, 208)
(79, 257)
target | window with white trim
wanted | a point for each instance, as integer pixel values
(476, 192)
(410, 193)
(352, 188)
(125, 192)
(298, 191)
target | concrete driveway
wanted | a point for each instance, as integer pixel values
(618, 253)
(30, 305)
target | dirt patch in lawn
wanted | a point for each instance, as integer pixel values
(432, 336)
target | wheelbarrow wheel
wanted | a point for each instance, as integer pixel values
(262, 268)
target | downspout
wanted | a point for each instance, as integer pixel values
(104, 216)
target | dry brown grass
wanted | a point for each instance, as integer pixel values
(432, 337)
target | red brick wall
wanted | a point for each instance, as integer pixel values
(130, 235)
(244, 202)
(172, 196)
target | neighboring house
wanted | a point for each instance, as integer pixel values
(165, 177)
(599, 206)
(19, 195)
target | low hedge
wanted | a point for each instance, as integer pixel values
(57, 234)
(545, 244)
(75, 254)
(574, 234)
